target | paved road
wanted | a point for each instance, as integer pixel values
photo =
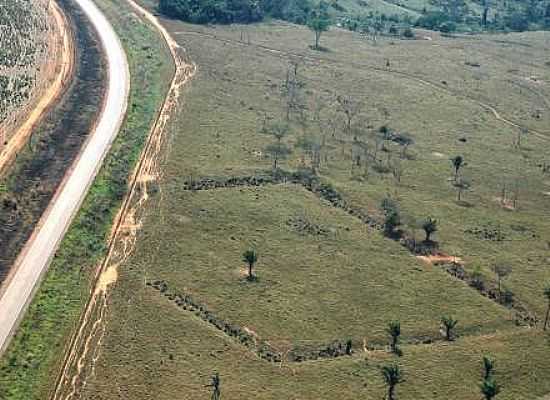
(38, 252)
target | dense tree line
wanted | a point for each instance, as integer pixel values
(236, 11)
(514, 15)
(443, 15)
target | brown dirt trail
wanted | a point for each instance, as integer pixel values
(88, 338)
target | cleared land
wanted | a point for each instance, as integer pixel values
(28, 59)
(334, 277)
(54, 77)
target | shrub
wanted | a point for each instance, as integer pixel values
(408, 33)
(507, 297)
(432, 20)
(447, 27)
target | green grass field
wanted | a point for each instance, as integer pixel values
(350, 281)
(158, 352)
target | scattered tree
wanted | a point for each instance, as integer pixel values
(310, 146)
(277, 151)
(515, 196)
(278, 130)
(489, 389)
(319, 22)
(520, 134)
(502, 271)
(291, 91)
(250, 257)
(392, 218)
(391, 222)
(350, 107)
(462, 185)
(503, 194)
(547, 295)
(448, 325)
(405, 141)
(458, 162)
(430, 227)
(397, 168)
(393, 375)
(388, 204)
(215, 384)
(394, 330)
(488, 367)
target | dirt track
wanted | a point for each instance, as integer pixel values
(85, 345)
(62, 44)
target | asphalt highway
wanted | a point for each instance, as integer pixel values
(35, 258)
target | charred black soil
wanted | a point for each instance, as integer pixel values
(38, 171)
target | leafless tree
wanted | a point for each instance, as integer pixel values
(350, 108)
(502, 271)
(397, 169)
(291, 91)
(515, 196)
(462, 185)
(522, 132)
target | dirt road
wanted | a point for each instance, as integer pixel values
(35, 257)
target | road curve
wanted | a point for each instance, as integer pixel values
(35, 258)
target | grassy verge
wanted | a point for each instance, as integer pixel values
(27, 368)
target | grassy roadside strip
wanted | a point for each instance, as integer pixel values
(35, 353)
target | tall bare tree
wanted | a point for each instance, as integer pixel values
(547, 295)
(502, 271)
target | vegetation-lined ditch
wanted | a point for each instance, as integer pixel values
(36, 351)
(327, 192)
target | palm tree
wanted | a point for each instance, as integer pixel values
(488, 367)
(489, 388)
(547, 294)
(430, 227)
(458, 162)
(250, 257)
(449, 324)
(392, 376)
(394, 330)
